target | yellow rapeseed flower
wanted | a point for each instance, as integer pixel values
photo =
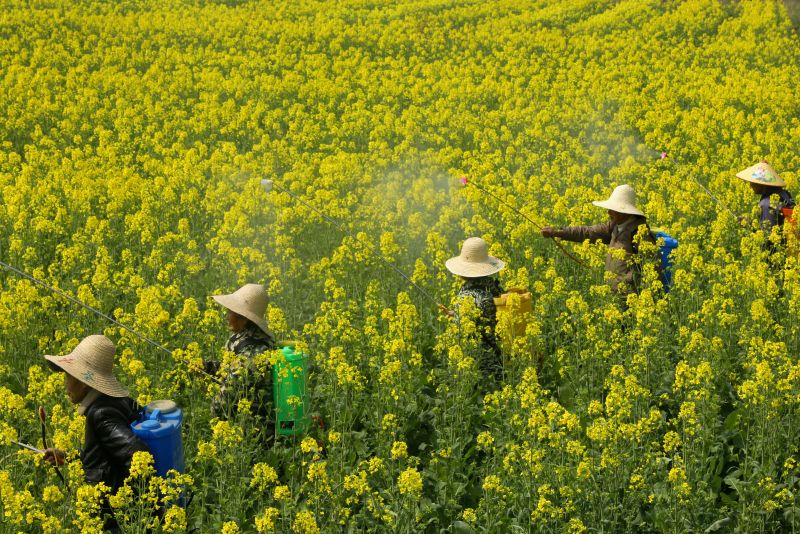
(282, 493)
(264, 475)
(399, 450)
(410, 482)
(52, 494)
(174, 519)
(265, 522)
(305, 523)
(142, 465)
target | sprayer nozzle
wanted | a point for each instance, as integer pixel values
(267, 185)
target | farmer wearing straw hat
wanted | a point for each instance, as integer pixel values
(476, 267)
(109, 442)
(250, 337)
(620, 232)
(765, 181)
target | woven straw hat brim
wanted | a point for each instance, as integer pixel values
(747, 176)
(468, 269)
(233, 303)
(74, 365)
(618, 207)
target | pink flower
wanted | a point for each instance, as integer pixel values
(663, 155)
(463, 180)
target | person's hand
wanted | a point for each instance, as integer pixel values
(319, 421)
(54, 456)
(549, 231)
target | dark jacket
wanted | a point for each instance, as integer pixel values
(627, 271)
(110, 443)
(771, 214)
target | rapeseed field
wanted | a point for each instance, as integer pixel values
(134, 135)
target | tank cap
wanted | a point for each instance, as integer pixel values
(163, 406)
(150, 424)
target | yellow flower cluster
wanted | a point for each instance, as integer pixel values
(88, 501)
(265, 522)
(305, 523)
(142, 465)
(264, 476)
(410, 482)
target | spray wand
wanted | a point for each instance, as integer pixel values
(99, 313)
(664, 156)
(26, 446)
(43, 418)
(467, 181)
(268, 185)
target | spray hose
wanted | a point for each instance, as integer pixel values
(694, 179)
(269, 184)
(99, 313)
(465, 181)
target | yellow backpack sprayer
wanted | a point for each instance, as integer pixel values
(514, 307)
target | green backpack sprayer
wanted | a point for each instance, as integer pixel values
(289, 381)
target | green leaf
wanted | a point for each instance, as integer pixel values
(719, 524)
(732, 421)
(460, 526)
(728, 500)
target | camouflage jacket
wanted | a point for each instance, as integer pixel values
(483, 290)
(245, 381)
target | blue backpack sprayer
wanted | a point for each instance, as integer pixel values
(160, 422)
(159, 426)
(664, 251)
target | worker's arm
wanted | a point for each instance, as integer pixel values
(114, 433)
(596, 232)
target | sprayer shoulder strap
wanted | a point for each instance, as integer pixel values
(635, 242)
(653, 238)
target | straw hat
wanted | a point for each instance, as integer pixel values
(91, 363)
(474, 260)
(249, 301)
(761, 173)
(622, 200)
